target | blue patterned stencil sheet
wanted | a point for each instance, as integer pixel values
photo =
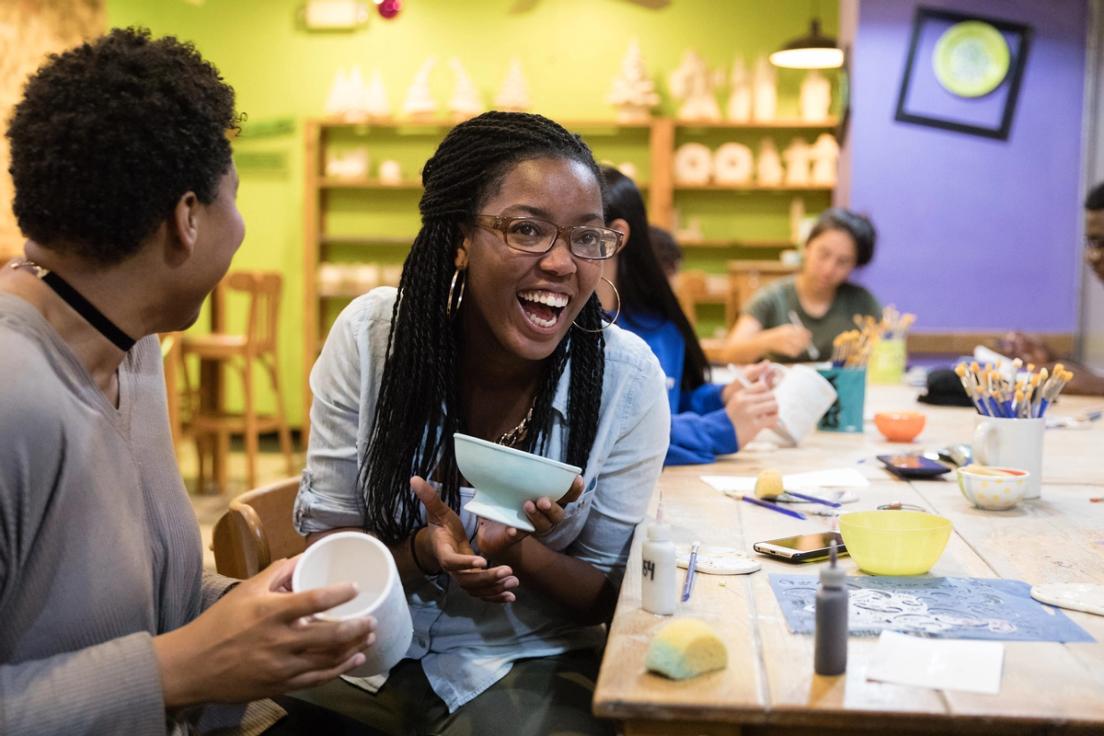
(942, 608)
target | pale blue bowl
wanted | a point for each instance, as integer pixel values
(505, 478)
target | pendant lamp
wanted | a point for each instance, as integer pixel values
(814, 51)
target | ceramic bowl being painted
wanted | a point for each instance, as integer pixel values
(899, 426)
(894, 542)
(505, 478)
(993, 489)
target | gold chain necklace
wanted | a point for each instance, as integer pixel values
(512, 437)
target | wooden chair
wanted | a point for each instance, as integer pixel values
(210, 423)
(747, 277)
(694, 288)
(257, 529)
(689, 288)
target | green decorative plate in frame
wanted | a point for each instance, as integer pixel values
(971, 59)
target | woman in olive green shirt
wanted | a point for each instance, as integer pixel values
(797, 318)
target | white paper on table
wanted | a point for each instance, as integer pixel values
(837, 477)
(941, 664)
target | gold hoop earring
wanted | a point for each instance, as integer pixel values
(616, 312)
(450, 308)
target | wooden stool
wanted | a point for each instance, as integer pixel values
(212, 425)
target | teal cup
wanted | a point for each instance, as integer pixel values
(846, 414)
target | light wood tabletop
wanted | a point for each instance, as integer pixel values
(769, 686)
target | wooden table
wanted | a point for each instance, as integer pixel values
(769, 686)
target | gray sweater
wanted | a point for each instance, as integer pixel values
(99, 548)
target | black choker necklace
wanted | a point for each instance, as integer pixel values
(82, 306)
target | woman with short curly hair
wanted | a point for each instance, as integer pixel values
(125, 188)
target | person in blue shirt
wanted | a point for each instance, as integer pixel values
(707, 419)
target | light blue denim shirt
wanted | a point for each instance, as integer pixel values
(466, 645)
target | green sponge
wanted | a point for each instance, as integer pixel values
(685, 648)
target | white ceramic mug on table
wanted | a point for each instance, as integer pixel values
(355, 557)
(1012, 443)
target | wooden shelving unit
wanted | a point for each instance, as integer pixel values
(752, 188)
(652, 145)
(733, 243)
(772, 125)
(333, 182)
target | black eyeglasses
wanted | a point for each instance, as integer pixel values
(536, 236)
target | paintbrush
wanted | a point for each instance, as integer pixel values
(691, 571)
(768, 505)
(812, 350)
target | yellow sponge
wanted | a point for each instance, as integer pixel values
(685, 648)
(769, 484)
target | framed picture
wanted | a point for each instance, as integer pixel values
(963, 72)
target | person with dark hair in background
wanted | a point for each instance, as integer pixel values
(707, 419)
(125, 189)
(494, 331)
(1030, 349)
(667, 250)
(798, 317)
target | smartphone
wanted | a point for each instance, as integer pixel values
(913, 466)
(802, 548)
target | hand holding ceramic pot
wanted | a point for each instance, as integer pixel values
(454, 555)
(545, 513)
(751, 411)
(765, 371)
(494, 538)
(259, 640)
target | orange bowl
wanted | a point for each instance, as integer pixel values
(899, 426)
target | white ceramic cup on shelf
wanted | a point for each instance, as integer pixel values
(1015, 443)
(803, 397)
(355, 557)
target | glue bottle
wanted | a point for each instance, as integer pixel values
(830, 656)
(658, 583)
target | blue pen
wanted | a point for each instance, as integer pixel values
(774, 507)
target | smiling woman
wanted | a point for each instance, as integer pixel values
(494, 331)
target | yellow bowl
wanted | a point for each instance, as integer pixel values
(894, 542)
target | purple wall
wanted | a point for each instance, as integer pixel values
(974, 233)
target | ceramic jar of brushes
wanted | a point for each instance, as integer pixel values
(887, 360)
(846, 414)
(1016, 443)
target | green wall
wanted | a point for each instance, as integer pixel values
(570, 50)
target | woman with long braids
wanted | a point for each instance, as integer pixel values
(707, 419)
(494, 331)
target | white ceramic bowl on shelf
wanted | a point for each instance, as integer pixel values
(505, 478)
